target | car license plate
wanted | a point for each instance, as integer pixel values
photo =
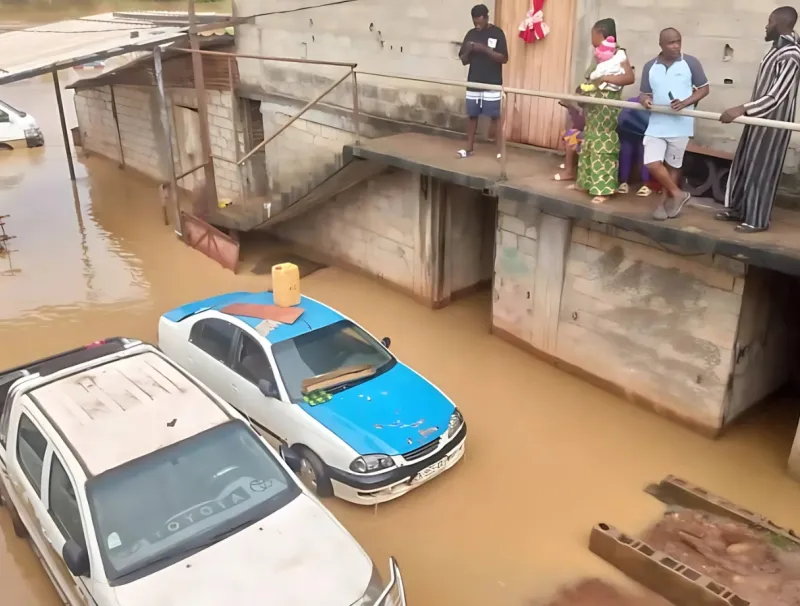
(429, 471)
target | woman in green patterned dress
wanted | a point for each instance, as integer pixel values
(598, 167)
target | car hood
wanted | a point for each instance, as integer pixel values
(392, 413)
(299, 555)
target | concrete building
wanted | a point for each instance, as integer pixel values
(684, 317)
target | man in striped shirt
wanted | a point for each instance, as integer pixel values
(485, 51)
(757, 166)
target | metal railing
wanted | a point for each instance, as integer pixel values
(353, 73)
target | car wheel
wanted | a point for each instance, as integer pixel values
(312, 475)
(16, 521)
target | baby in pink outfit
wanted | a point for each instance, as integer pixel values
(609, 63)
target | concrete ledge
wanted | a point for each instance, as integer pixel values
(530, 182)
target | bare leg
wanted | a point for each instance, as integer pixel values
(664, 175)
(472, 126)
(570, 162)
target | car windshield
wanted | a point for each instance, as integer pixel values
(162, 507)
(326, 350)
(13, 110)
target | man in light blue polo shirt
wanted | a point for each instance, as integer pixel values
(676, 80)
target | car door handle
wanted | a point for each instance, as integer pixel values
(234, 388)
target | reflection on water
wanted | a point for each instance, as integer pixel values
(548, 457)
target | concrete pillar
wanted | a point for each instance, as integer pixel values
(429, 238)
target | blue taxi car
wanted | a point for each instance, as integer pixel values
(347, 414)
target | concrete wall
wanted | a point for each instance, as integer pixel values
(143, 141)
(659, 325)
(425, 236)
(305, 154)
(767, 341)
(417, 37)
(373, 226)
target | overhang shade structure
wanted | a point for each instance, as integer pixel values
(47, 48)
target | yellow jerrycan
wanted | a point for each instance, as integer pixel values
(286, 284)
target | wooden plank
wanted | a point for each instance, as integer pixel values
(553, 244)
(284, 315)
(708, 151)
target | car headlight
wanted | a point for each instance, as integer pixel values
(456, 421)
(32, 132)
(374, 589)
(371, 462)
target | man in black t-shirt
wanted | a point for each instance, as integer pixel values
(485, 51)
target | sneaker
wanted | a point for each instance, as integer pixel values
(660, 213)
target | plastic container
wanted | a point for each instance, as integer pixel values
(286, 284)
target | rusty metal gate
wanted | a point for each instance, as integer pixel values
(210, 241)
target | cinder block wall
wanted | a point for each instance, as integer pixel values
(659, 325)
(417, 37)
(141, 133)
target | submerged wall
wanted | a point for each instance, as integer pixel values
(141, 136)
(424, 236)
(658, 325)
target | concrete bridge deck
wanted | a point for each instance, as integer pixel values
(530, 181)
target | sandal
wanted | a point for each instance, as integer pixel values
(600, 199)
(463, 153)
(644, 191)
(623, 188)
(560, 177)
(728, 215)
(744, 228)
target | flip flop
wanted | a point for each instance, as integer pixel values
(463, 153)
(744, 228)
(728, 215)
(623, 188)
(599, 199)
(644, 191)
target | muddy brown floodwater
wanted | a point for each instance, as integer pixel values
(548, 456)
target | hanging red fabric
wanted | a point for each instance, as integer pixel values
(533, 27)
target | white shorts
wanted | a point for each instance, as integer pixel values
(668, 149)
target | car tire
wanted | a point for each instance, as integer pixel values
(16, 521)
(313, 475)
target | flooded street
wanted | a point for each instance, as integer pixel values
(549, 455)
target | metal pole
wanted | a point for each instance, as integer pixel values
(658, 109)
(291, 121)
(502, 135)
(356, 113)
(64, 130)
(202, 107)
(116, 122)
(265, 57)
(236, 118)
(166, 126)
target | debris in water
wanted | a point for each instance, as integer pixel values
(595, 592)
(760, 566)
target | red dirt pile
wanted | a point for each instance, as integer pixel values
(762, 567)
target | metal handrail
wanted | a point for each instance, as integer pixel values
(266, 58)
(659, 109)
(292, 120)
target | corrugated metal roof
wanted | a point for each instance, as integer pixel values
(38, 50)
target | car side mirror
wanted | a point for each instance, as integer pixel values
(291, 458)
(76, 558)
(387, 342)
(268, 388)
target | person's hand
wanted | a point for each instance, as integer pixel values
(729, 115)
(481, 48)
(678, 105)
(647, 102)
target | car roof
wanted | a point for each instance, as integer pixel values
(315, 314)
(125, 409)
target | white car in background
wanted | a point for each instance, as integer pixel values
(139, 487)
(18, 129)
